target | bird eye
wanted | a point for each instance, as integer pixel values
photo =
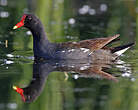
(30, 18)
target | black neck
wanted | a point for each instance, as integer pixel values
(41, 44)
(38, 32)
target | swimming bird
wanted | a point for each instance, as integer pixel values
(92, 49)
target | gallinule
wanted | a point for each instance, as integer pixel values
(92, 48)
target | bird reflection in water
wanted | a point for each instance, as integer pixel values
(41, 70)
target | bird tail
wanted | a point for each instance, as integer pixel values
(121, 49)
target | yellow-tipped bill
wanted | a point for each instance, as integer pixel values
(14, 87)
(15, 27)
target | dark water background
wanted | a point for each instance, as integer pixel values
(69, 20)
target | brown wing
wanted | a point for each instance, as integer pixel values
(92, 44)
